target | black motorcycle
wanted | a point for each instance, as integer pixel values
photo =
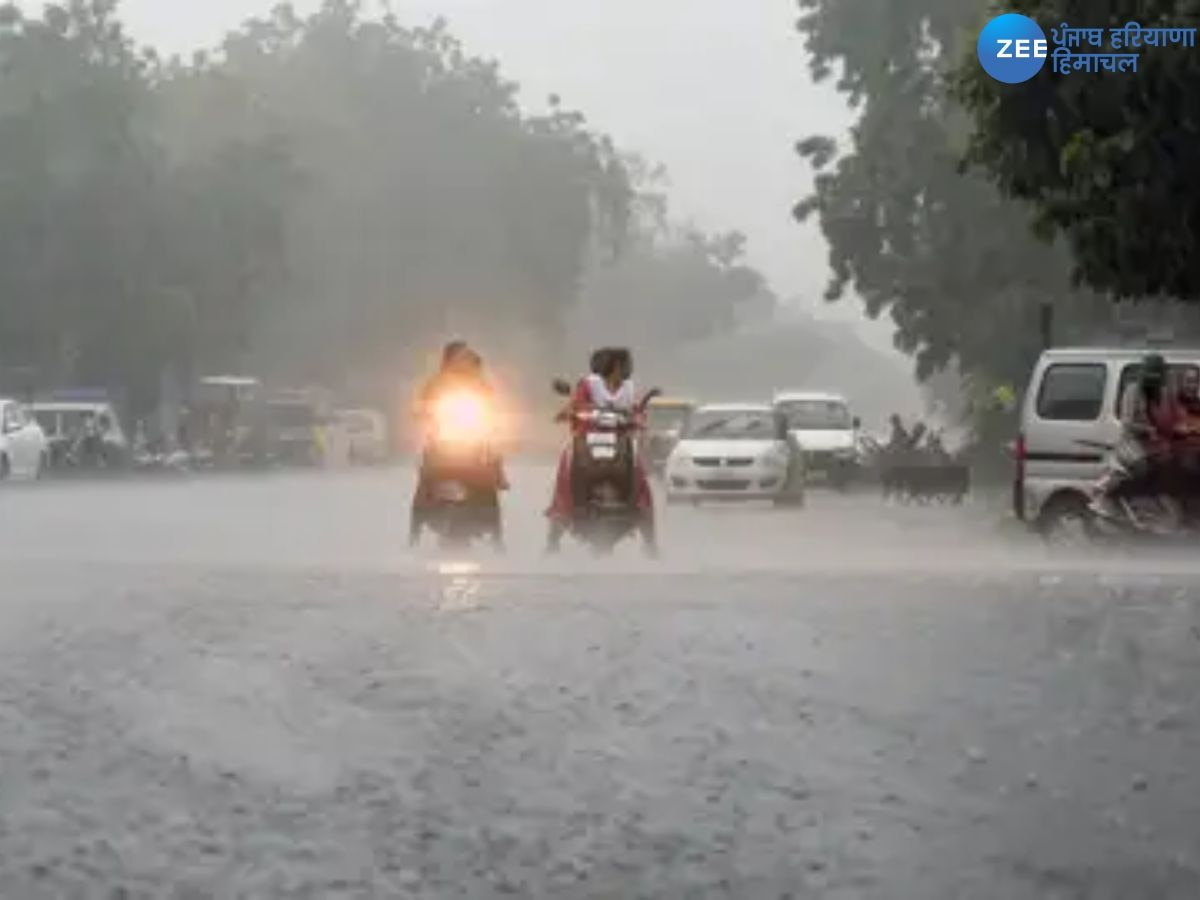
(460, 477)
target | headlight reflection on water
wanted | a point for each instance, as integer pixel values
(458, 569)
(459, 586)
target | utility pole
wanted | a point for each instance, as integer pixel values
(1047, 324)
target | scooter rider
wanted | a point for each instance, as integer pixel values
(609, 385)
(567, 488)
(1149, 419)
(461, 369)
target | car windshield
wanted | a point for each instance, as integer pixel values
(748, 425)
(666, 418)
(815, 415)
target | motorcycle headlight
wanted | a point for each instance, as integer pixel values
(461, 418)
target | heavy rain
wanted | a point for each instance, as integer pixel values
(478, 448)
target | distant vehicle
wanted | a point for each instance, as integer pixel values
(227, 422)
(366, 431)
(666, 417)
(1070, 417)
(735, 452)
(294, 421)
(65, 422)
(822, 427)
(229, 388)
(23, 445)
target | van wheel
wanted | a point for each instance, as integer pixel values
(1066, 521)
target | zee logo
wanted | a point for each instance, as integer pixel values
(1020, 49)
(1012, 48)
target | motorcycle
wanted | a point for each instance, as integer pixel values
(1166, 506)
(461, 475)
(604, 483)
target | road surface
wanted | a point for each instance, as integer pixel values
(247, 687)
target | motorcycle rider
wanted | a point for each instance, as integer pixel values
(608, 386)
(567, 486)
(1149, 423)
(461, 369)
(1188, 393)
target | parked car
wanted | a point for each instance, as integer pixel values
(666, 418)
(1071, 413)
(65, 422)
(735, 452)
(366, 431)
(23, 445)
(822, 427)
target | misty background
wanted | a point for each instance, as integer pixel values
(691, 253)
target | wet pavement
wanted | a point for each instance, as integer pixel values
(248, 687)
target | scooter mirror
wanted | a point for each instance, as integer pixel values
(561, 387)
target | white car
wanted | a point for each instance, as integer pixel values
(62, 420)
(23, 445)
(734, 452)
(821, 425)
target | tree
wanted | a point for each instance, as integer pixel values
(109, 255)
(431, 202)
(671, 287)
(910, 233)
(1107, 162)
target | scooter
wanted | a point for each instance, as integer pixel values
(460, 472)
(1166, 508)
(604, 450)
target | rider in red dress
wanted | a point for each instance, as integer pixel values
(608, 385)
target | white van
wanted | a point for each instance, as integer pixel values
(1070, 412)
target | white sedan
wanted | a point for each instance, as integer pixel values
(735, 452)
(22, 442)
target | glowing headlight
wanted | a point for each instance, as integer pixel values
(461, 418)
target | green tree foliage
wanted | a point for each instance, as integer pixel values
(943, 252)
(431, 202)
(1107, 162)
(673, 287)
(115, 260)
(323, 196)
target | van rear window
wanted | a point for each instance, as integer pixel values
(1072, 392)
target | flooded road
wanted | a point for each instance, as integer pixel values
(250, 688)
